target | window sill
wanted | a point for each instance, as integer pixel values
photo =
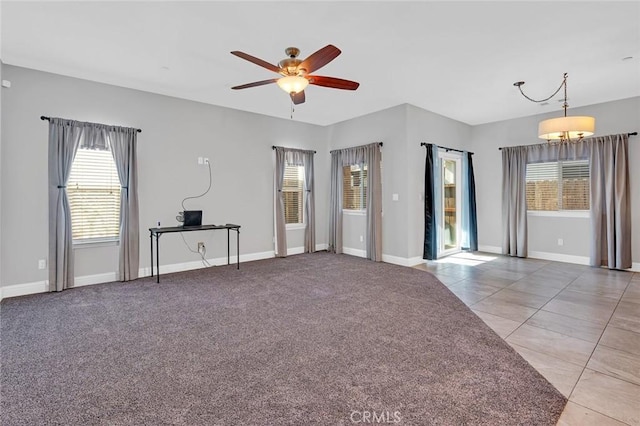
(295, 226)
(562, 213)
(95, 244)
(349, 212)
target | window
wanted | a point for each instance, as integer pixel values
(562, 185)
(354, 187)
(292, 190)
(94, 196)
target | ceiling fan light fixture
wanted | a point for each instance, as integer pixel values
(566, 128)
(293, 84)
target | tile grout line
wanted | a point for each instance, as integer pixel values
(602, 414)
(598, 343)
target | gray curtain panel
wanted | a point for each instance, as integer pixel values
(373, 159)
(278, 202)
(610, 202)
(64, 138)
(309, 203)
(514, 201)
(123, 142)
(335, 204)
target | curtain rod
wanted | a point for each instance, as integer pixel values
(331, 152)
(274, 147)
(42, 117)
(628, 134)
(445, 148)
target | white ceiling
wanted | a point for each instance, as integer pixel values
(458, 59)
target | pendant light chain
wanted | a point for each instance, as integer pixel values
(564, 83)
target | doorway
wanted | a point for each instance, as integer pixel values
(451, 190)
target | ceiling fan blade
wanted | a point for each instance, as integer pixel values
(298, 98)
(320, 58)
(256, 61)
(255, 84)
(335, 83)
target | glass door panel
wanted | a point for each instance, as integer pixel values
(451, 198)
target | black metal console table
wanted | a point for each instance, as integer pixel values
(157, 232)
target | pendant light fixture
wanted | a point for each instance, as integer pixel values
(562, 129)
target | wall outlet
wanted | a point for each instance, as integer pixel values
(361, 239)
(394, 197)
(200, 246)
(42, 263)
(200, 161)
(206, 160)
(560, 242)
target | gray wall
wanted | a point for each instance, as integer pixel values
(175, 132)
(611, 118)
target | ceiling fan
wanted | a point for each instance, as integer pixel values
(296, 73)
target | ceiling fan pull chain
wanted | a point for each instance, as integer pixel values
(292, 109)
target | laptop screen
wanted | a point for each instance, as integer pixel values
(192, 218)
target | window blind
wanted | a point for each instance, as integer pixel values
(557, 186)
(354, 187)
(292, 190)
(94, 196)
(575, 185)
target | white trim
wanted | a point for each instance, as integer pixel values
(295, 226)
(354, 252)
(43, 286)
(559, 257)
(584, 214)
(490, 249)
(79, 244)
(95, 279)
(351, 212)
(295, 250)
(402, 261)
(24, 289)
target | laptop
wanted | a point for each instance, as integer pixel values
(192, 218)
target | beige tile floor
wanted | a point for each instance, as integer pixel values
(578, 326)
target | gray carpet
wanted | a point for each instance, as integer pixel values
(310, 339)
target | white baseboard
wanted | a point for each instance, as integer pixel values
(95, 279)
(402, 261)
(321, 247)
(490, 249)
(354, 252)
(559, 257)
(295, 250)
(25, 289)
(43, 287)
